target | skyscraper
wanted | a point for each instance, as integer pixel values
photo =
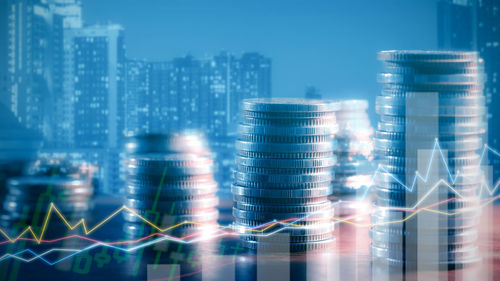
(95, 79)
(4, 96)
(475, 25)
(66, 15)
(137, 97)
(35, 59)
(456, 20)
(488, 44)
(189, 93)
(96, 65)
(29, 25)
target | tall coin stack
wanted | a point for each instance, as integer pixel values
(354, 168)
(48, 182)
(431, 120)
(169, 180)
(284, 169)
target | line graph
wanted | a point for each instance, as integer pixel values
(452, 178)
(228, 230)
(112, 245)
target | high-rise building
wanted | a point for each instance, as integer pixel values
(475, 25)
(189, 93)
(4, 94)
(95, 78)
(35, 58)
(96, 63)
(488, 45)
(29, 25)
(138, 106)
(230, 80)
(456, 19)
(66, 15)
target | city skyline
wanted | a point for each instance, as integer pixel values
(330, 45)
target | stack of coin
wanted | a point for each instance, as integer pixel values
(59, 182)
(431, 120)
(354, 168)
(169, 180)
(284, 170)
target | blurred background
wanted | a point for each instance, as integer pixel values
(78, 76)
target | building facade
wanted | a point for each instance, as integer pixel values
(33, 78)
(475, 25)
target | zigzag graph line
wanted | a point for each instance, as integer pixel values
(259, 232)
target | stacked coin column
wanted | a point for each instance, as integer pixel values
(285, 158)
(354, 168)
(431, 101)
(29, 198)
(169, 180)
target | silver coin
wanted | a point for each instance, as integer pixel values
(287, 115)
(286, 155)
(44, 182)
(434, 111)
(283, 171)
(169, 192)
(296, 238)
(441, 237)
(281, 201)
(274, 208)
(168, 160)
(427, 56)
(411, 159)
(454, 95)
(286, 163)
(171, 171)
(288, 105)
(433, 87)
(471, 143)
(277, 178)
(159, 178)
(432, 128)
(190, 142)
(285, 139)
(284, 185)
(75, 191)
(203, 217)
(470, 68)
(299, 222)
(466, 253)
(284, 147)
(279, 193)
(432, 79)
(290, 122)
(287, 131)
(424, 98)
(249, 215)
(403, 136)
(293, 247)
(209, 202)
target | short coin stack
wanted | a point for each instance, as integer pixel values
(169, 180)
(354, 168)
(430, 100)
(29, 197)
(284, 169)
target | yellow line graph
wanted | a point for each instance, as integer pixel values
(52, 208)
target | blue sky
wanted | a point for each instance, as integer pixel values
(330, 44)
